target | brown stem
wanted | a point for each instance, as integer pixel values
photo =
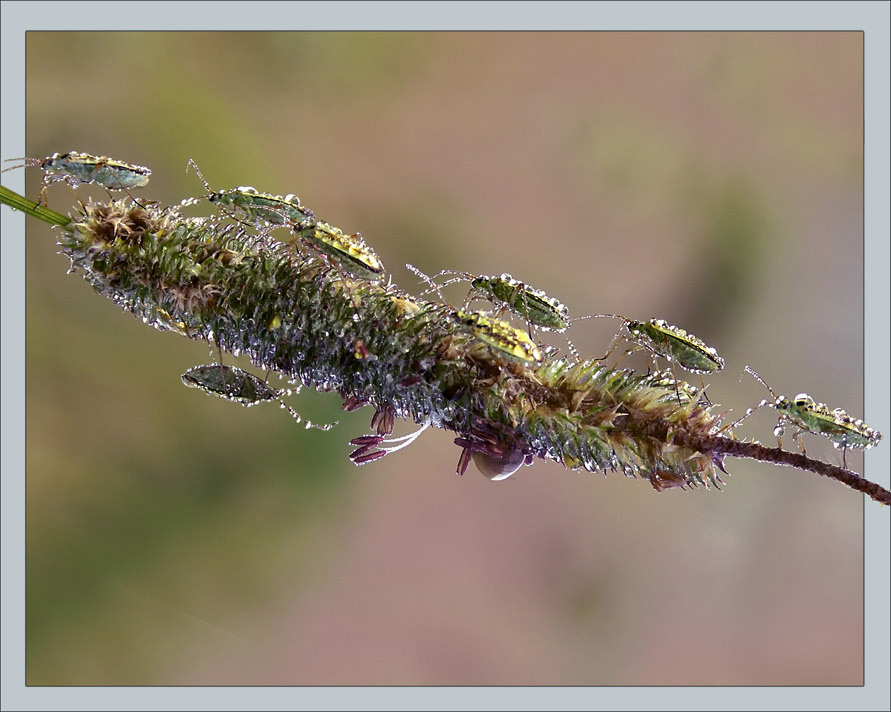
(721, 446)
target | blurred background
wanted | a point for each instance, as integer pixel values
(710, 179)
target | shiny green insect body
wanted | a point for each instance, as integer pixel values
(107, 172)
(836, 424)
(264, 210)
(675, 344)
(671, 343)
(533, 305)
(807, 415)
(502, 337)
(347, 251)
(231, 383)
(241, 387)
(77, 168)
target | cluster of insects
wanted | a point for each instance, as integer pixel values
(265, 211)
(487, 331)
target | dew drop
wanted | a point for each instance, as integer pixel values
(498, 468)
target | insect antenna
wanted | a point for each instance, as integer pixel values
(760, 380)
(192, 201)
(617, 338)
(429, 281)
(45, 181)
(28, 163)
(763, 403)
(191, 163)
(460, 276)
(598, 316)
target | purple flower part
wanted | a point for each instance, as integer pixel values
(358, 452)
(463, 461)
(369, 457)
(351, 403)
(386, 421)
(367, 440)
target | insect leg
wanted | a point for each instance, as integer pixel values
(677, 388)
(613, 344)
(797, 438)
(41, 197)
(306, 423)
(48, 179)
(122, 187)
(636, 347)
(778, 431)
(72, 183)
(522, 287)
(708, 401)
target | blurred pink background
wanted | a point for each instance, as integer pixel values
(710, 179)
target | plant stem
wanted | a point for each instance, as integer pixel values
(293, 314)
(778, 456)
(19, 202)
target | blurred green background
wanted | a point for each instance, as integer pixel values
(711, 179)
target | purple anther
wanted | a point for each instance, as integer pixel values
(387, 420)
(360, 451)
(490, 450)
(463, 461)
(367, 440)
(351, 403)
(369, 457)
(486, 434)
